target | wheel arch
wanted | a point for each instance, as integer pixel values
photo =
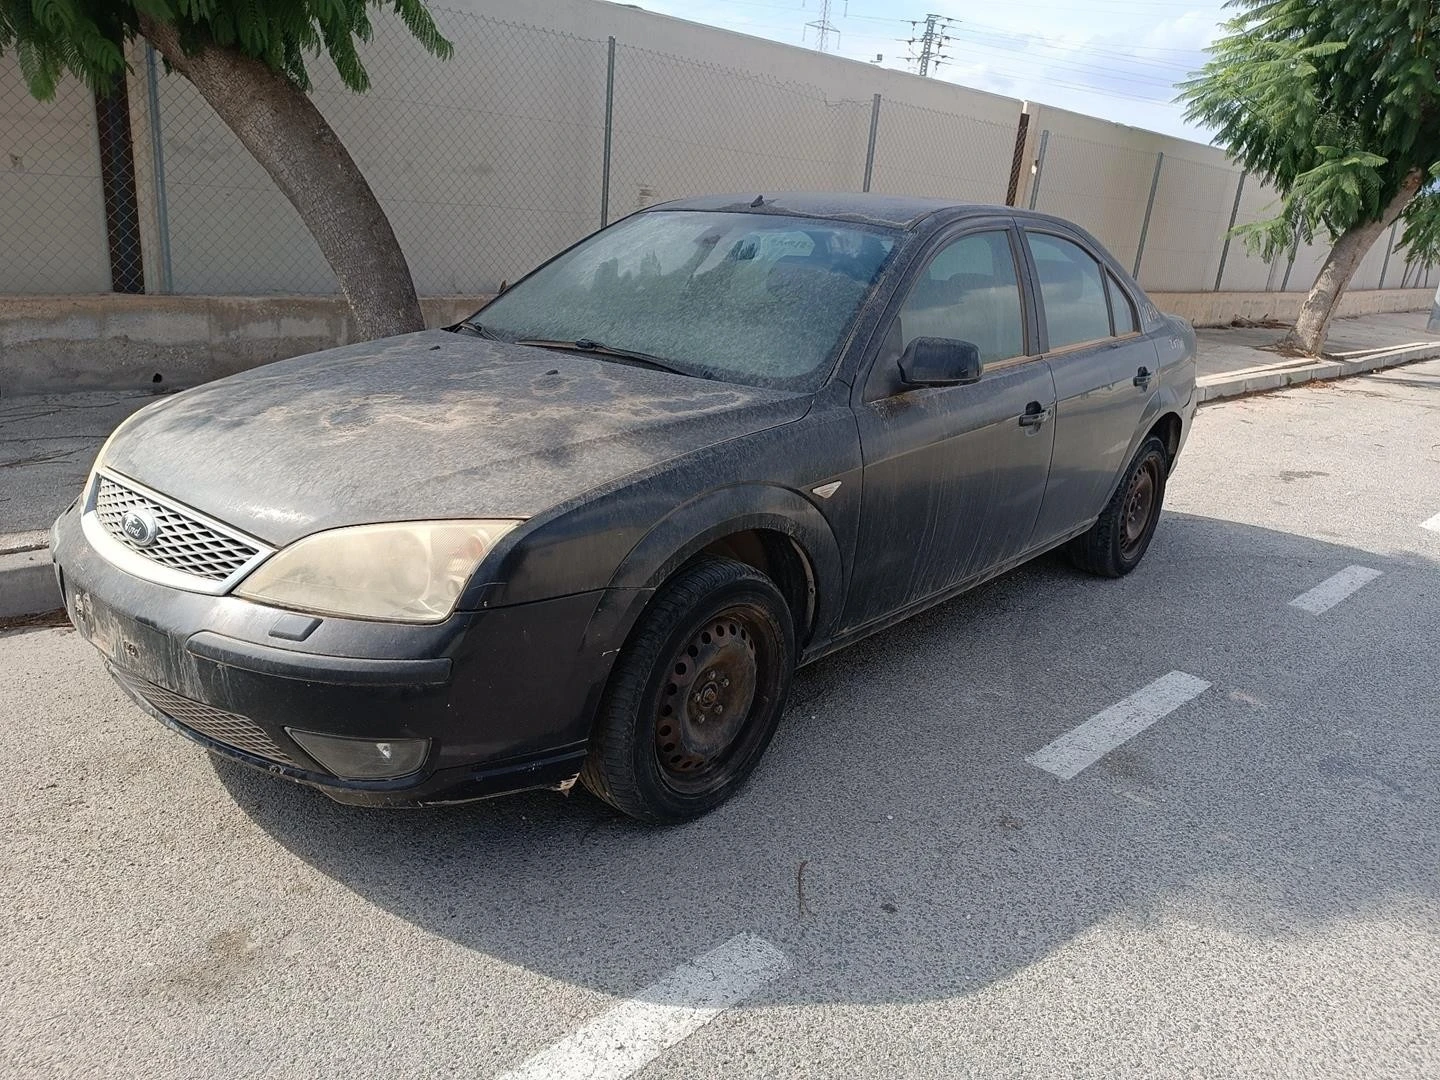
(772, 528)
(1167, 429)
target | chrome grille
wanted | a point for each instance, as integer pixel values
(226, 727)
(181, 542)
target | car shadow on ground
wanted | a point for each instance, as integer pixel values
(898, 845)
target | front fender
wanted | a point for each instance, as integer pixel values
(687, 530)
(696, 524)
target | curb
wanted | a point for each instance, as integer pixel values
(1296, 372)
(27, 584)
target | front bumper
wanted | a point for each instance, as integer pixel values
(505, 696)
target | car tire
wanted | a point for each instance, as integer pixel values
(1120, 537)
(695, 695)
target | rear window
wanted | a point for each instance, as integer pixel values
(1123, 311)
(1072, 289)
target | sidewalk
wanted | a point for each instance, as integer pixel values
(48, 442)
(1235, 361)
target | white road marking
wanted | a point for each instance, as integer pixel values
(624, 1039)
(1433, 523)
(1103, 732)
(1334, 589)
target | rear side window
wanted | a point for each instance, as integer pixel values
(1072, 288)
(969, 292)
(1121, 308)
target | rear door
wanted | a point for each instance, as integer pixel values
(1104, 371)
(954, 475)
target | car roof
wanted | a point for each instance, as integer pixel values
(899, 211)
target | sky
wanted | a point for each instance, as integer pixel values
(1116, 59)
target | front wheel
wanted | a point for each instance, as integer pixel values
(696, 694)
(1118, 540)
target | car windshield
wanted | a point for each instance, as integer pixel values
(759, 299)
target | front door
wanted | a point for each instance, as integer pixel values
(1105, 376)
(954, 475)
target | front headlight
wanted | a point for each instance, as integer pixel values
(410, 571)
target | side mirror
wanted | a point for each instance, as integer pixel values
(933, 361)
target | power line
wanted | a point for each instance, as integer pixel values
(1064, 65)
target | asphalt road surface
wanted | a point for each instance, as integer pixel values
(1239, 877)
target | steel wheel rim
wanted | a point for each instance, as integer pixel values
(1139, 506)
(716, 683)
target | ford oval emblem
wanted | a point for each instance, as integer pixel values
(140, 527)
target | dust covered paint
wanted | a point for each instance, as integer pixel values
(428, 425)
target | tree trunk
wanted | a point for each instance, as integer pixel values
(282, 128)
(1344, 259)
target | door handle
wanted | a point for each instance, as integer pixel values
(1143, 377)
(1034, 415)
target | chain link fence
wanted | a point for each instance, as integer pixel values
(683, 127)
(1098, 186)
(52, 200)
(529, 139)
(1192, 207)
(920, 151)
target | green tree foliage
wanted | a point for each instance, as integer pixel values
(85, 38)
(1335, 102)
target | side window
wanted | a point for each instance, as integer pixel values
(1121, 309)
(969, 292)
(1072, 288)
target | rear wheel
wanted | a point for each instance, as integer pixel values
(1118, 541)
(696, 694)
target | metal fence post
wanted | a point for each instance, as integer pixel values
(1017, 158)
(1149, 207)
(118, 188)
(1389, 247)
(609, 132)
(1234, 213)
(870, 146)
(157, 153)
(1039, 167)
(1294, 250)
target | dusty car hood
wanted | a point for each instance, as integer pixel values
(424, 425)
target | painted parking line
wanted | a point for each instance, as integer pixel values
(1433, 524)
(1103, 732)
(1334, 589)
(624, 1039)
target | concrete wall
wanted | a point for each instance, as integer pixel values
(54, 343)
(115, 342)
(52, 217)
(1223, 308)
(1100, 174)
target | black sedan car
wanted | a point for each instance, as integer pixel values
(591, 532)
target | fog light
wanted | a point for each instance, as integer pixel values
(363, 759)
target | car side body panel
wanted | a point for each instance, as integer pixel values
(953, 483)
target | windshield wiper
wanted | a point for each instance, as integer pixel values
(474, 328)
(595, 348)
